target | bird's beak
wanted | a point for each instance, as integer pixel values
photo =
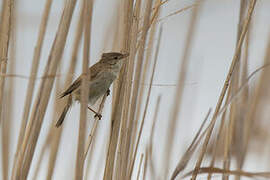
(125, 55)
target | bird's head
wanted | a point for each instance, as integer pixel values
(113, 57)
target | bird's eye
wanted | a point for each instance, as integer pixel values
(115, 58)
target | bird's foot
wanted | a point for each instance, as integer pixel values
(108, 92)
(97, 115)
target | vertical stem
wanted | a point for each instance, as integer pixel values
(180, 89)
(224, 89)
(88, 7)
(5, 30)
(31, 83)
(33, 127)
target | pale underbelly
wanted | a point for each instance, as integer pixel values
(96, 89)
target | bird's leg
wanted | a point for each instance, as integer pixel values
(108, 92)
(96, 113)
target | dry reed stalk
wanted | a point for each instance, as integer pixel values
(137, 76)
(244, 74)
(238, 149)
(230, 128)
(117, 44)
(253, 175)
(179, 11)
(217, 140)
(254, 102)
(160, 4)
(33, 74)
(54, 135)
(242, 87)
(140, 167)
(179, 90)
(90, 144)
(5, 31)
(50, 139)
(19, 163)
(93, 130)
(73, 62)
(225, 87)
(31, 83)
(8, 109)
(98, 166)
(149, 151)
(88, 11)
(119, 96)
(125, 133)
(234, 108)
(226, 153)
(40, 106)
(181, 165)
(146, 106)
(244, 101)
(145, 164)
(155, 12)
(146, 65)
(40, 159)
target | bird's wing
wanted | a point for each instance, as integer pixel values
(94, 70)
(72, 87)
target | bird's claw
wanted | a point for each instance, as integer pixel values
(97, 115)
(108, 92)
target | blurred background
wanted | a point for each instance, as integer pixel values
(211, 53)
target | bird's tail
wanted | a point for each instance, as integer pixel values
(65, 110)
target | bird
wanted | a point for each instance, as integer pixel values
(103, 73)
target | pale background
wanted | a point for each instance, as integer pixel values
(211, 56)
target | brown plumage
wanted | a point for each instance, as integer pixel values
(102, 74)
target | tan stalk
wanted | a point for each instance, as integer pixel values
(119, 97)
(5, 32)
(244, 102)
(94, 128)
(254, 105)
(88, 11)
(56, 133)
(50, 136)
(145, 164)
(137, 75)
(125, 133)
(33, 74)
(253, 175)
(179, 91)
(41, 102)
(179, 11)
(217, 141)
(140, 167)
(225, 87)
(229, 127)
(242, 107)
(234, 108)
(117, 43)
(90, 144)
(242, 87)
(190, 150)
(150, 149)
(145, 71)
(8, 109)
(146, 106)
(226, 155)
